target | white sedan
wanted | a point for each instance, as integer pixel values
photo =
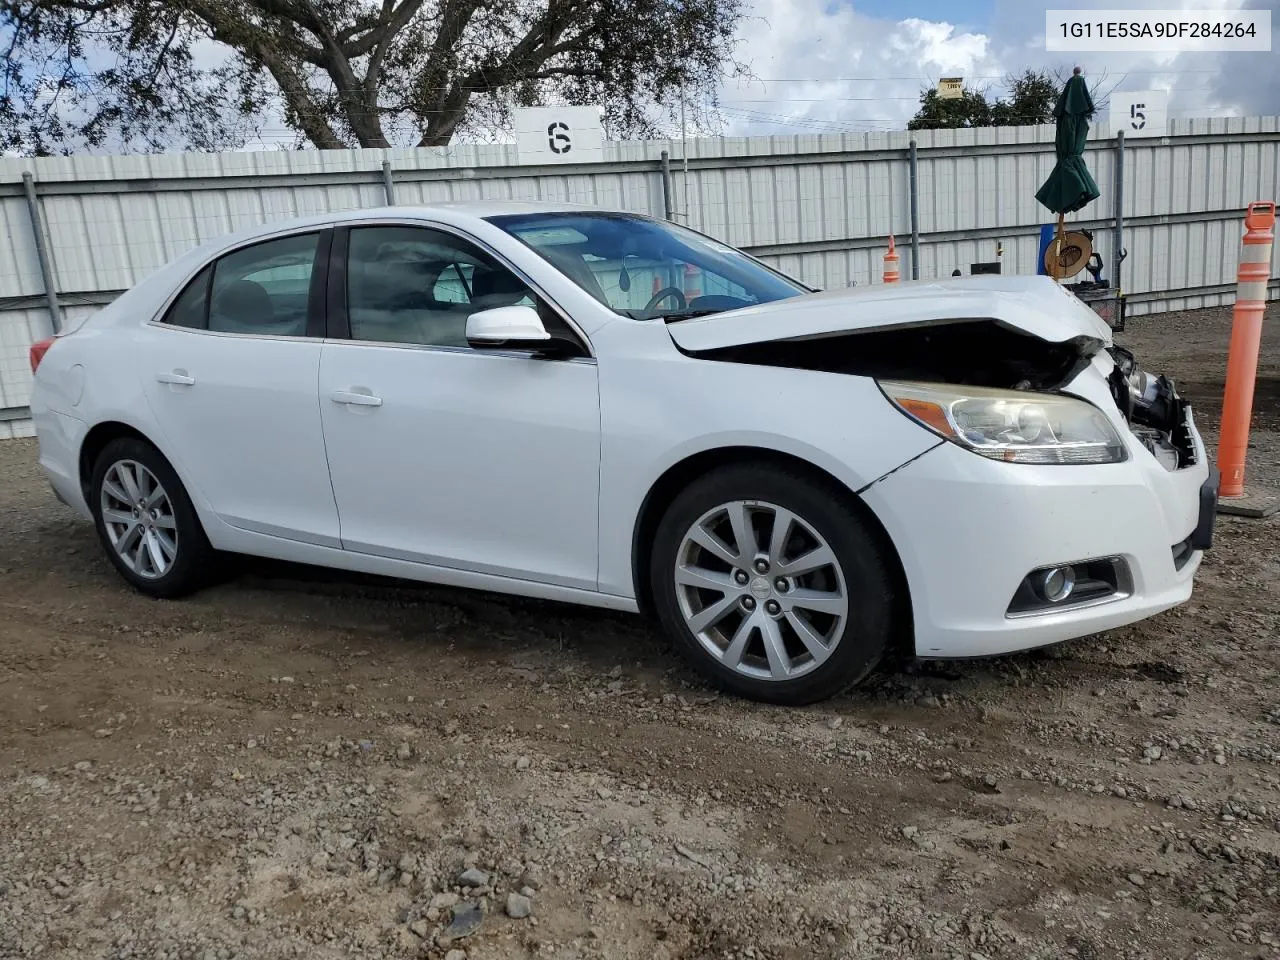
(607, 409)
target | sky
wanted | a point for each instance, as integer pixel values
(827, 66)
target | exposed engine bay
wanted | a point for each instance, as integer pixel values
(986, 353)
(979, 353)
(1156, 414)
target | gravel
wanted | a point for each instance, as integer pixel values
(652, 819)
(473, 878)
(466, 920)
(519, 906)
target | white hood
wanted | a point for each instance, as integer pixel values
(1036, 305)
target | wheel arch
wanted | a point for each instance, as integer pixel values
(668, 486)
(96, 440)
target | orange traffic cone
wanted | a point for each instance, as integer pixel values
(891, 263)
(692, 281)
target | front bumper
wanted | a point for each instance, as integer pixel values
(969, 529)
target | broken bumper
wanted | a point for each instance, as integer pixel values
(969, 530)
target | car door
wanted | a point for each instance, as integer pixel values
(230, 375)
(475, 459)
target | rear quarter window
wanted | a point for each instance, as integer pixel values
(191, 309)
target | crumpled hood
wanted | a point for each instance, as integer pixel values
(1035, 305)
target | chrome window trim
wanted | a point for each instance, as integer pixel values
(371, 221)
(460, 351)
(231, 333)
(155, 319)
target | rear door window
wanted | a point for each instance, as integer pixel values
(264, 289)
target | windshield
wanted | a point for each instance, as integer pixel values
(645, 268)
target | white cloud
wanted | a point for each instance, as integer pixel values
(827, 67)
(824, 67)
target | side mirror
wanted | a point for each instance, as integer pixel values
(506, 327)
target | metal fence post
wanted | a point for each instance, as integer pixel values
(1118, 253)
(912, 164)
(388, 186)
(666, 185)
(42, 251)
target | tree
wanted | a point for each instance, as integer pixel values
(1030, 100)
(155, 74)
(970, 109)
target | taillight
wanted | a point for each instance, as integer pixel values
(38, 350)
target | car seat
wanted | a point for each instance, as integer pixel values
(242, 307)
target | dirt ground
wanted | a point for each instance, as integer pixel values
(294, 764)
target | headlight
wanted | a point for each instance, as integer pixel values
(1010, 425)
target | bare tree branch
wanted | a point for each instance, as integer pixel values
(389, 25)
(292, 87)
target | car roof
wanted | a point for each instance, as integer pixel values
(453, 211)
(459, 213)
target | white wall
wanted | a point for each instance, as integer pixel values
(816, 206)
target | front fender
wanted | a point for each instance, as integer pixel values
(659, 407)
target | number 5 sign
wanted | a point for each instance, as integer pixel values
(1142, 113)
(559, 134)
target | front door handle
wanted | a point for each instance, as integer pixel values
(178, 377)
(355, 398)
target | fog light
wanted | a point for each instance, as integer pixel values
(1056, 583)
(1069, 586)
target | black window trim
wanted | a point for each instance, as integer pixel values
(207, 272)
(338, 324)
(316, 305)
(315, 324)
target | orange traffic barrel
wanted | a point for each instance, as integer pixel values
(891, 274)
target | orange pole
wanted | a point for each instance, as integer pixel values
(1246, 337)
(891, 263)
(692, 281)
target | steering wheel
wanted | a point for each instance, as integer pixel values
(662, 294)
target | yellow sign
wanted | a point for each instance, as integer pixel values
(951, 88)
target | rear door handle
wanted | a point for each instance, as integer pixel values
(355, 398)
(178, 377)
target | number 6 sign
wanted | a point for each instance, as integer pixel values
(558, 138)
(559, 134)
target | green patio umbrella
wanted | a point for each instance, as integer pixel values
(1070, 186)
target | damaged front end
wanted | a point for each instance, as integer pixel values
(986, 353)
(1156, 414)
(978, 353)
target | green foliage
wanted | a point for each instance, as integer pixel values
(201, 74)
(1030, 100)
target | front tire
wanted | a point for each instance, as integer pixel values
(146, 522)
(772, 585)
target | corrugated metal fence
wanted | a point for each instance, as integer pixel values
(819, 207)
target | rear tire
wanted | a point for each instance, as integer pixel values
(145, 521)
(788, 618)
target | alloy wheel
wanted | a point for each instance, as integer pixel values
(139, 519)
(761, 590)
